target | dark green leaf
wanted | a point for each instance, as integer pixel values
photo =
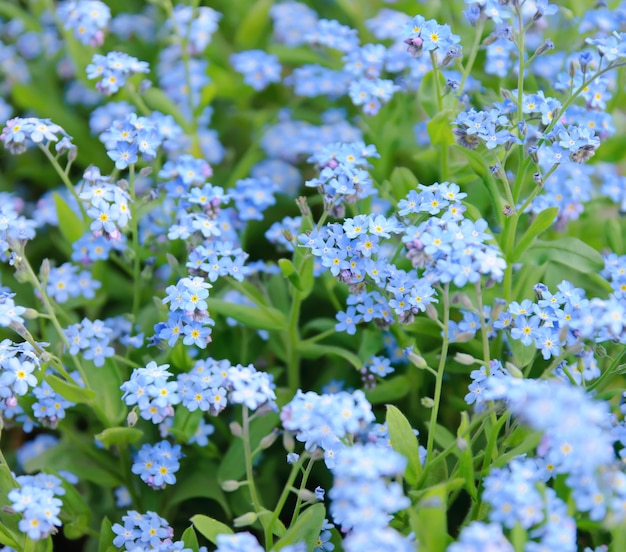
(253, 24)
(108, 401)
(542, 222)
(428, 520)
(199, 483)
(522, 354)
(389, 390)
(70, 224)
(404, 441)
(440, 129)
(315, 350)
(190, 539)
(402, 181)
(106, 535)
(70, 391)
(466, 461)
(306, 529)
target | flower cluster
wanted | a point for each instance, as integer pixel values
(20, 133)
(147, 531)
(36, 499)
(92, 338)
(149, 389)
(258, 68)
(114, 70)
(157, 464)
(579, 445)
(65, 281)
(17, 364)
(362, 498)
(427, 35)
(323, 421)
(49, 407)
(86, 19)
(130, 137)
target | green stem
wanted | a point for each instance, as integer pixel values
(64, 178)
(305, 479)
(248, 462)
(472, 55)
(292, 339)
(295, 468)
(320, 336)
(440, 370)
(134, 215)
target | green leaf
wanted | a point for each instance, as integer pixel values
(70, 224)
(119, 436)
(289, 272)
(69, 391)
(444, 438)
(542, 222)
(402, 181)
(7, 537)
(156, 99)
(440, 129)
(75, 513)
(108, 400)
(315, 350)
(190, 539)
(466, 461)
(260, 318)
(210, 528)
(199, 483)
(253, 25)
(106, 535)
(371, 343)
(389, 390)
(523, 354)
(306, 529)
(404, 441)
(428, 519)
(427, 94)
(568, 251)
(613, 233)
(80, 458)
(185, 424)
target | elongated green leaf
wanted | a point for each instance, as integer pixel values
(523, 354)
(261, 318)
(210, 528)
(119, 436)
(371, 343)
(440, 129)
(389, 390)
(443, 437)
(568, 251)
(69, 391)
(254, 24)
(402, 181)
(108, 401)
(106, 535)
(314, 350)
(306, 529)
(428, 519)
(199, 483)
(542, 222)
(70, 223)
(82, 459)
(190, 539)
(7, 538)
(466, 462)
(155, 98)
(404, 441)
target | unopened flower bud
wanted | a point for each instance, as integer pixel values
(236, 429)
(30, 314)
(302, 204)
(269, 439)
(431, 312)
(289, 442)
(427, 402)
(507, 95)
(465, 359)
(463, 300)
(230, 485)
(306, 495)
(146, 171)
(417, 360)
(538, 178)
(461, 443)
(132, 418)
(547, 45)
(44, 271)
(171, 260)
(464, 337)
(513, 370)
(245, 520)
